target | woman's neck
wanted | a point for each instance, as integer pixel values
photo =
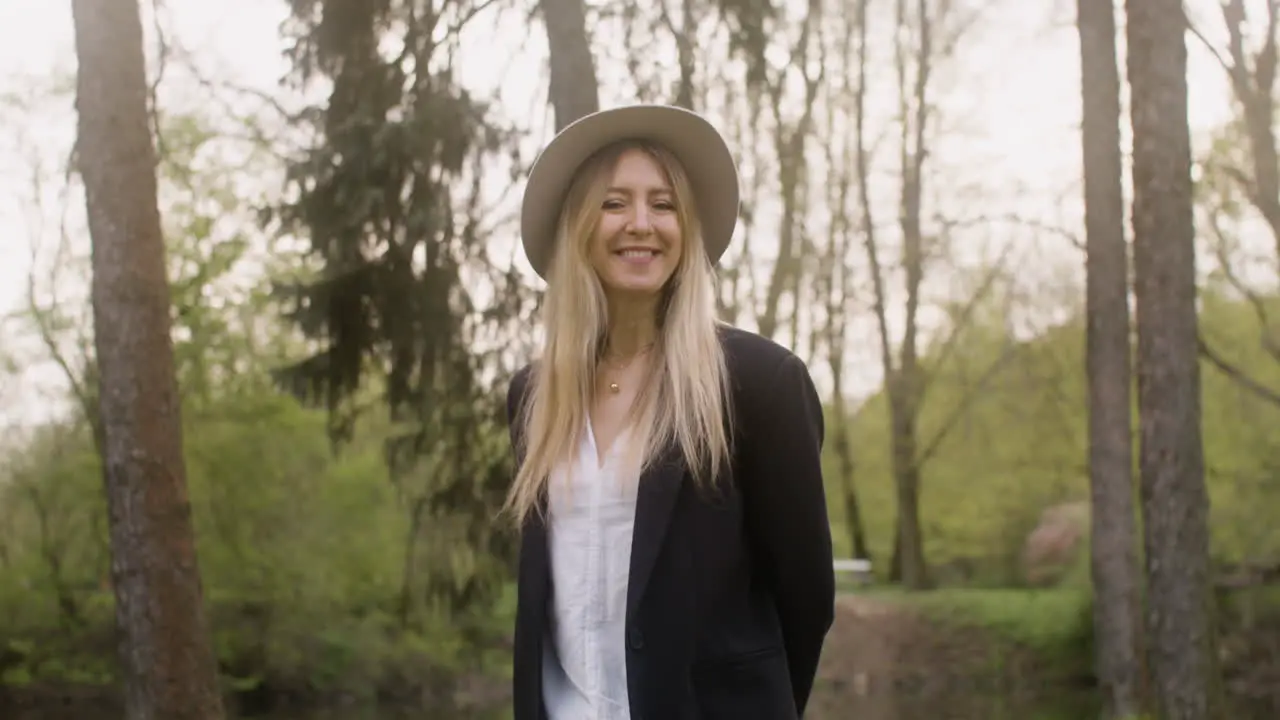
(633, 328)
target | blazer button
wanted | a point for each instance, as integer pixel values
(637, 639)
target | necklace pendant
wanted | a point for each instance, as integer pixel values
(613, 388)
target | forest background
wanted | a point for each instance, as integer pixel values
(338, 185)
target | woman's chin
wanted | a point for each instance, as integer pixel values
(635, 278)
(636, 288)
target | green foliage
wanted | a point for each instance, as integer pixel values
(1021, 446)
(388, 198)
(323, 571)
(302, 556)
(1044, 620)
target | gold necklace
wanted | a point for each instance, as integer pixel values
(614, 387)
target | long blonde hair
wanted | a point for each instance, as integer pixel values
(685, 402)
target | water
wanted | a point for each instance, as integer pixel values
(869, 707)
(875, 706)
(970, 706)
(886, 706)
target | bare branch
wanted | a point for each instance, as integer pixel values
(1237, 374)
(962, 407)
(162, 61)
(862, 160)
(1256, 301)
(1208, 46)
(455, 29)
(1017, 220)
(965, 316)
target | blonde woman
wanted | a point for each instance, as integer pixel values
(676, 556)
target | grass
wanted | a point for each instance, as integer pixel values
(1037, 619)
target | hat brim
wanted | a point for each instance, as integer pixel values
(699, 147)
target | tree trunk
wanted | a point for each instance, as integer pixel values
(906, 385)
(852, 508)
(835, 272)
(841, 425)
(908, 565)
(167, 664)
(685, 39)
(574, 90)
(1117, 604)
(1181, 644)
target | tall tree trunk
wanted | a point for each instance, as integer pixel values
(833, 274)
(906, 385)
(908, 564)
(685, 37)
(574, 90)
(167, 663)
(901, 376)
(1181, 643)
(852, 507)
(1117, 604)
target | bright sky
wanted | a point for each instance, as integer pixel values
(1016, 120)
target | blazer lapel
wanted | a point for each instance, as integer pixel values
(531, 625)
(655, 499)
(534, 561)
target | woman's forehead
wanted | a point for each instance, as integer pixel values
(637, 170)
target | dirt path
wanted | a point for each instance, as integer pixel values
(866, 642)
(865, 638)
(883, 661)
(860, 662)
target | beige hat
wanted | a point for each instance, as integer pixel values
(694, 141)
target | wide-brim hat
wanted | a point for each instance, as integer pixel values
(694, 141)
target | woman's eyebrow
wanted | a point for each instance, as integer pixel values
(654, 190)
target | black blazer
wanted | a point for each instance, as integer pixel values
(731, 595)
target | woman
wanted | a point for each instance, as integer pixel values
(676, 555)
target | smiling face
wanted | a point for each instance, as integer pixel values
(637, 241)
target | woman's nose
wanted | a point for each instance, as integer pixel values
(639, 223)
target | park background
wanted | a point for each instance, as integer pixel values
(913, 208)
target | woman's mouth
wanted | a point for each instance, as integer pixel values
(638, 256)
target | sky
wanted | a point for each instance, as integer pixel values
(1015, 117)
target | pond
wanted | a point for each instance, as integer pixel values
(885, 706)
(869, 707)
(888, 706)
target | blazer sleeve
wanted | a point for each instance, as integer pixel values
(787, 512)
(515, 400)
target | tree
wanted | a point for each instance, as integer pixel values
(833, 278)
(791, 142)
(573, 89)
(925, 36)
(902, 374)
(167, 662)
(1116, 608)
(1175, 504)
(1251, 172)
(390, 197)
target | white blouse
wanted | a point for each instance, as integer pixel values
(592, 511)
